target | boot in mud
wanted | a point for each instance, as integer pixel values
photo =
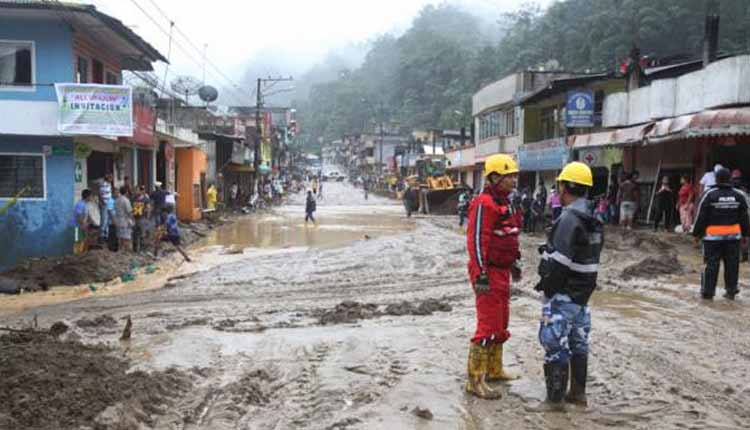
(477, 367)
(496, 372)
(578, 372)
(556, 380)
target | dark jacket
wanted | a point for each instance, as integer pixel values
(310, 205)
(570, 259)
(722, 214)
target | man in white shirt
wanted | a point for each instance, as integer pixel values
(709, 178)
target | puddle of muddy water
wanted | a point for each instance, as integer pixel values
(290, 230)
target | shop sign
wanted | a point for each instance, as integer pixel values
(579, 109)
(549, 154)
(95, 109)
(590, 157)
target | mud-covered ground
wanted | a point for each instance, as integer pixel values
(362, 322)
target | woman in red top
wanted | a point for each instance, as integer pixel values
(685, 203)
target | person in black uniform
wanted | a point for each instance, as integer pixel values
(722, 224)
(568, 271)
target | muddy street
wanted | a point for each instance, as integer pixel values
(363, 321)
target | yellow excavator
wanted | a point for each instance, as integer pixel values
(437, 192)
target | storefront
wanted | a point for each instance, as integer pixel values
(540, 161)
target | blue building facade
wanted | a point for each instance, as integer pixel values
(43, 44)
(37, 224)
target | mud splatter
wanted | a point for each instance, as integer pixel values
(653, 266)
(350, 311)
(47, 383)
(105, 321)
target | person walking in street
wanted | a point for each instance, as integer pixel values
(554, 204)
(411, 200)
(721, 223)
(613, 216)
(141, 214)
(464, 200)
(526, 203)
(366, 186)
(541, 192)
(493, 248)
(568, 271)
(708, 179)
(627, 199)
(211, 196)
(537, 212)
(310, 208)
(664, 205)
(685, 203)
(123, 219)
(234, 194)
(106, 206)
(158, 197)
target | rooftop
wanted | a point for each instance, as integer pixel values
(135, 53)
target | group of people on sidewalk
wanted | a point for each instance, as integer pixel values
(569, 266)
(123, 218)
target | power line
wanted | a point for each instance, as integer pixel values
(179, 46)
(195, 47)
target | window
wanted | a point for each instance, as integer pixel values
(598, 107)
(82, 70)
(22, 172)
(498, 123)
(97, 72)
(16, 63)
(112, 79)
(548, 123)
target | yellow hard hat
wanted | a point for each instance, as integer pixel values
(577, 173)
(502, 164)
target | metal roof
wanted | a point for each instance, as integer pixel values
(563, 84)
(83, 17)
(708, 123)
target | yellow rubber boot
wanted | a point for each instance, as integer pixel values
(477, 367)
(496, 372)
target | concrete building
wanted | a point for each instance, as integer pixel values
(43, 44)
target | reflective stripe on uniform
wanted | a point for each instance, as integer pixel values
(723, 230)
(570, 264)
(478, 236)
(717, 237)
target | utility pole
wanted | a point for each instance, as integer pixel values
(381, 147)
(258, 124)
(258, 138)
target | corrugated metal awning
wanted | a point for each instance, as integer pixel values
(709, 123)
(620, 137)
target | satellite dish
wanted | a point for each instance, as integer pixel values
(207, 93)
(187, 85)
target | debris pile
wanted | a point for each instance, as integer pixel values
(351, 311)
(650, 267)
(48, 383)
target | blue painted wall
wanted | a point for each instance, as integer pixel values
(54, 54)
(39, 228)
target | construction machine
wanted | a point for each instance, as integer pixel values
(438, 194)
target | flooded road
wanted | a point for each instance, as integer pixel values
(357, 321)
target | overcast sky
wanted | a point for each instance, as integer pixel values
(237, 32)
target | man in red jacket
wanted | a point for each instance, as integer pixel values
(492, 243)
